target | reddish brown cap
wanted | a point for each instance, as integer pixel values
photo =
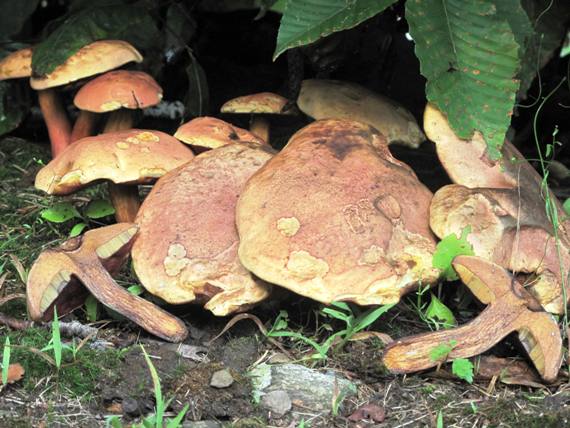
(16, 65)
(211, 133)
(334, 216)
(186, 249)
(263, 102)
(135, 156)
(118, 89)
(97, 57)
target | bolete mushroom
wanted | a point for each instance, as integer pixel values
(335, 99)
(115, 91)
(186, 250)
(56, 277)
(335, 217)
(94, 58)
(211, 133)
(509, 308)
(258, 106)
(16, 65)
(125, 158)
(503, 204)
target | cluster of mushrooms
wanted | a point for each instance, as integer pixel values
(333, 216)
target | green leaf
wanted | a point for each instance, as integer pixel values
(77, 229)
(135, 289)
(60, 213)
(439, 422)
(14, 104)
(5, 360)
(370, 316)
(437, 311)
(160, 407)
(470, 56)
(99, 208)
(131, 23)
(463, 369)
(447, 249)
(91, 308)
(14, 15)
(56, 339)
(566, 206)
(198, 97)
(305, 21)
(565, 51)
(441, 351)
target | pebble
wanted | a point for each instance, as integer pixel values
(277, 402)
(221, 379)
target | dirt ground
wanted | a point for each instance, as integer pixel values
(109, 376)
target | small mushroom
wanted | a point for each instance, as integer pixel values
(210, 133)
(113, 92)
(509, 308)
(125, 158)
(335, 217)
(186, 250)
(258, 106)
(56, 277)
(16, 65)
(335, 99)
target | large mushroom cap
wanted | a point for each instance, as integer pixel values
(95, 58)
(334, 99)
(211, 133)
(135, 156)
(334, 216)
(118, 89)
(16, 65)
(262, 102)
(187, 246)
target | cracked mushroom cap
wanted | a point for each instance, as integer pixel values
(97, 57)
(118, 89)
(186, 249)
(335, 99)
(16, 65)
(334, 217)
(263, 102)
(212, 133)
(134, 156)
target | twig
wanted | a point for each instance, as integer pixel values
(69, 329)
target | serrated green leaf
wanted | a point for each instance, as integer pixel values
(99, 208)
(439, 313)
(463, 369)
(441, 351)
(14, 15)
(198, 97)
(131, 23)
(447, 249)
(470, 57)
(305, 21)
(77, 229)
(60, 213)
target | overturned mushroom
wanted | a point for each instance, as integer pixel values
(56, 277)
(210, 133)
(504, 206)
(335, 99)
(509, 308)
(186, 250)
(334, 216)
(125, 158)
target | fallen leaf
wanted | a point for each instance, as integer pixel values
(19, 268)
(368, 412)
(15, 372)
(3, 279)
(363, 335)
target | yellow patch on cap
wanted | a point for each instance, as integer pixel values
(288, 226)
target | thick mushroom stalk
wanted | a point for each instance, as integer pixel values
(510, 308)
(57, 122)
(88, 259)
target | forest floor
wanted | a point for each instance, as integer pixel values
(105, 379)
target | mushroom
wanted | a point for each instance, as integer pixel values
(210, 133)
(503, 203)
(16, 65)
(56, 277)
(509, 308)
(335, 99)
(258, 106)
(113, 92)
(95, 58)
(335, 217)
(125, 158)
(186, 250)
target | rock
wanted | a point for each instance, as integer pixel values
(305, 387)
(239, 353)
(221, 379)
(201, 424)
(130, 406)
(277, 402)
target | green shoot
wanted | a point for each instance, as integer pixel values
(463, 369)
(439, 422)
(439, 314)
(447, 249)
(91, 308)
(5, 361)
(337, 401)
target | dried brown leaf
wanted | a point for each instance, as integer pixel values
(15, 372)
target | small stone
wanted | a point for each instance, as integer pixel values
(130, 406)
(221, 379)
(201, 424)
(277, 402)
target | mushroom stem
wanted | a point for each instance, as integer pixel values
(260, 127)
(57, 122)
(119, 120)
(125, 199)
(84, 125)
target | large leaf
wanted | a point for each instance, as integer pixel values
(305, 21)
(469, 53)
(116, 21)
(14, 15)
